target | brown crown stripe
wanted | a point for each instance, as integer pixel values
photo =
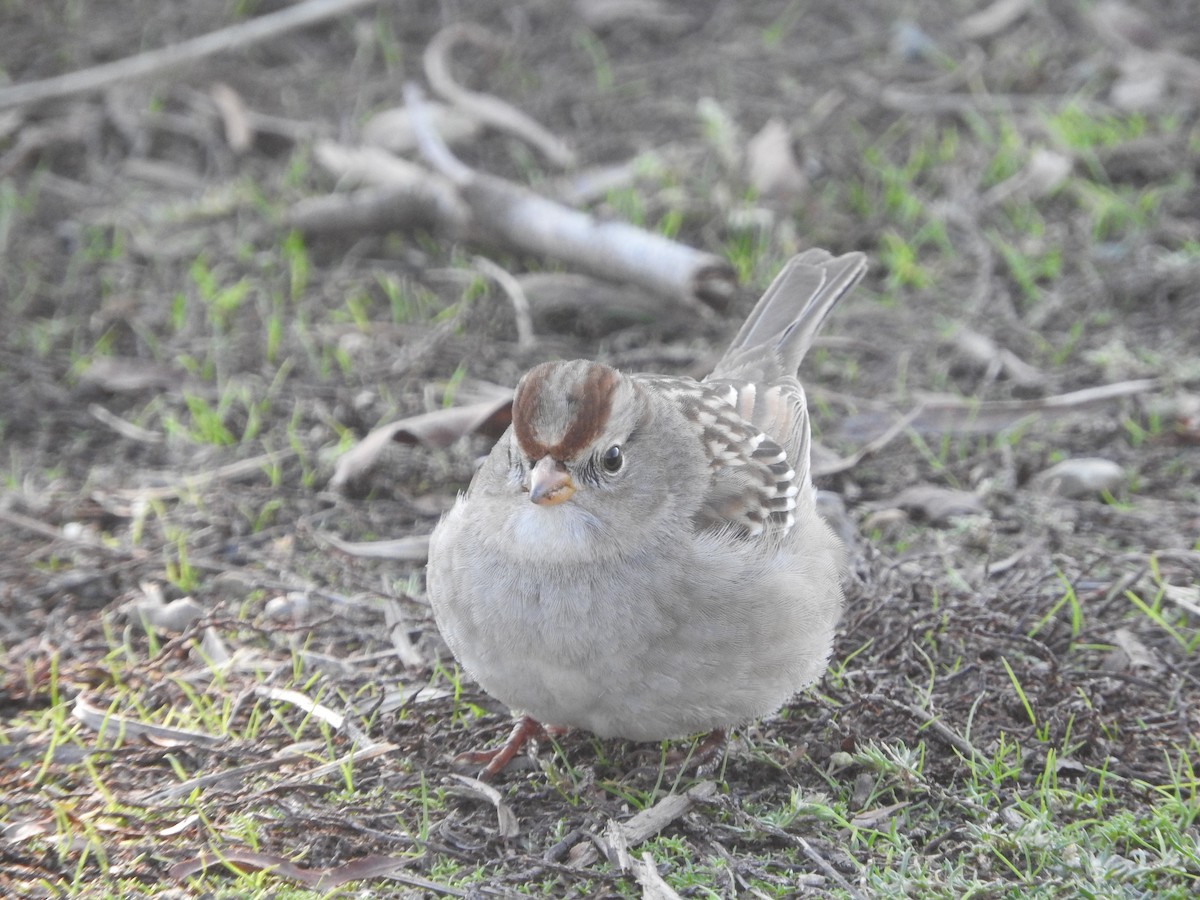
(589, 402)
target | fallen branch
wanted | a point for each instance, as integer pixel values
(506, 213)
(176, 56)
(641, 827)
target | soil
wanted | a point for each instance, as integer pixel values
(1062, 627)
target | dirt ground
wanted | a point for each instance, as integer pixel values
(1026, 191)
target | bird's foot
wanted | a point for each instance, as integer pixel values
(493, 761)
(678, 762)
(705, 752)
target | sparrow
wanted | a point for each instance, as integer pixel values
(641, 555)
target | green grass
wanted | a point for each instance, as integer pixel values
(1070, 784)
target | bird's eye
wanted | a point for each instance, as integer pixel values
(613, 459)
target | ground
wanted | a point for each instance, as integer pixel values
(1011, 709)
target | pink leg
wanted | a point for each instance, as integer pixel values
(708, 748)
(493, 761)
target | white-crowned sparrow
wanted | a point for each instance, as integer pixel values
(641, 555)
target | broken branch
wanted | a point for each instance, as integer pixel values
(506, 213)
(176, 56)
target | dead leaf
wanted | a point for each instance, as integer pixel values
(118, 728)
(173, 617)
(507, 819)
(870, 818)
(1046, 171)
(1129, 653)
(294, 606)
(213, 648)
(645, 824)
(125, 429)
(355, 166)
(239, 133)
(16, 831)
(1065, 767)
(181, 826)
(771, 165)
(152, 608)
(437, 429)
(1185, 596)
(1043, 173)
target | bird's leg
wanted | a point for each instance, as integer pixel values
(707, 748)
(710, 745)
(677, 762)
(493, 761)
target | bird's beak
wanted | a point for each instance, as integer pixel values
(550, 483)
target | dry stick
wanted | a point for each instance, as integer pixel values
(229, 472)
(991, 416)
(847, 463)
(370, 209)
(484, 107)
(398, 194)
(907, 101)
(822, 864)
(928, 720)
(119, 728)
(176, 56)
(516, 296)
(646, 824)
(528, 223)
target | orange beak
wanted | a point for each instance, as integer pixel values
(550, 483)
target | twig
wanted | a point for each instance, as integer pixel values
(644, 825)
(176, 56)
(822, 864)
(516, 296)
(430, 143)
(74, 128)
(991, 416)
(906, 101)
(484, 107)
(849, 462)
(928, 720)
(122, 427)
(503, 212)
(231, 472)
(319, 711)
(119, 728)
(419, 198)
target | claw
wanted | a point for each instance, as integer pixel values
(493, 761)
